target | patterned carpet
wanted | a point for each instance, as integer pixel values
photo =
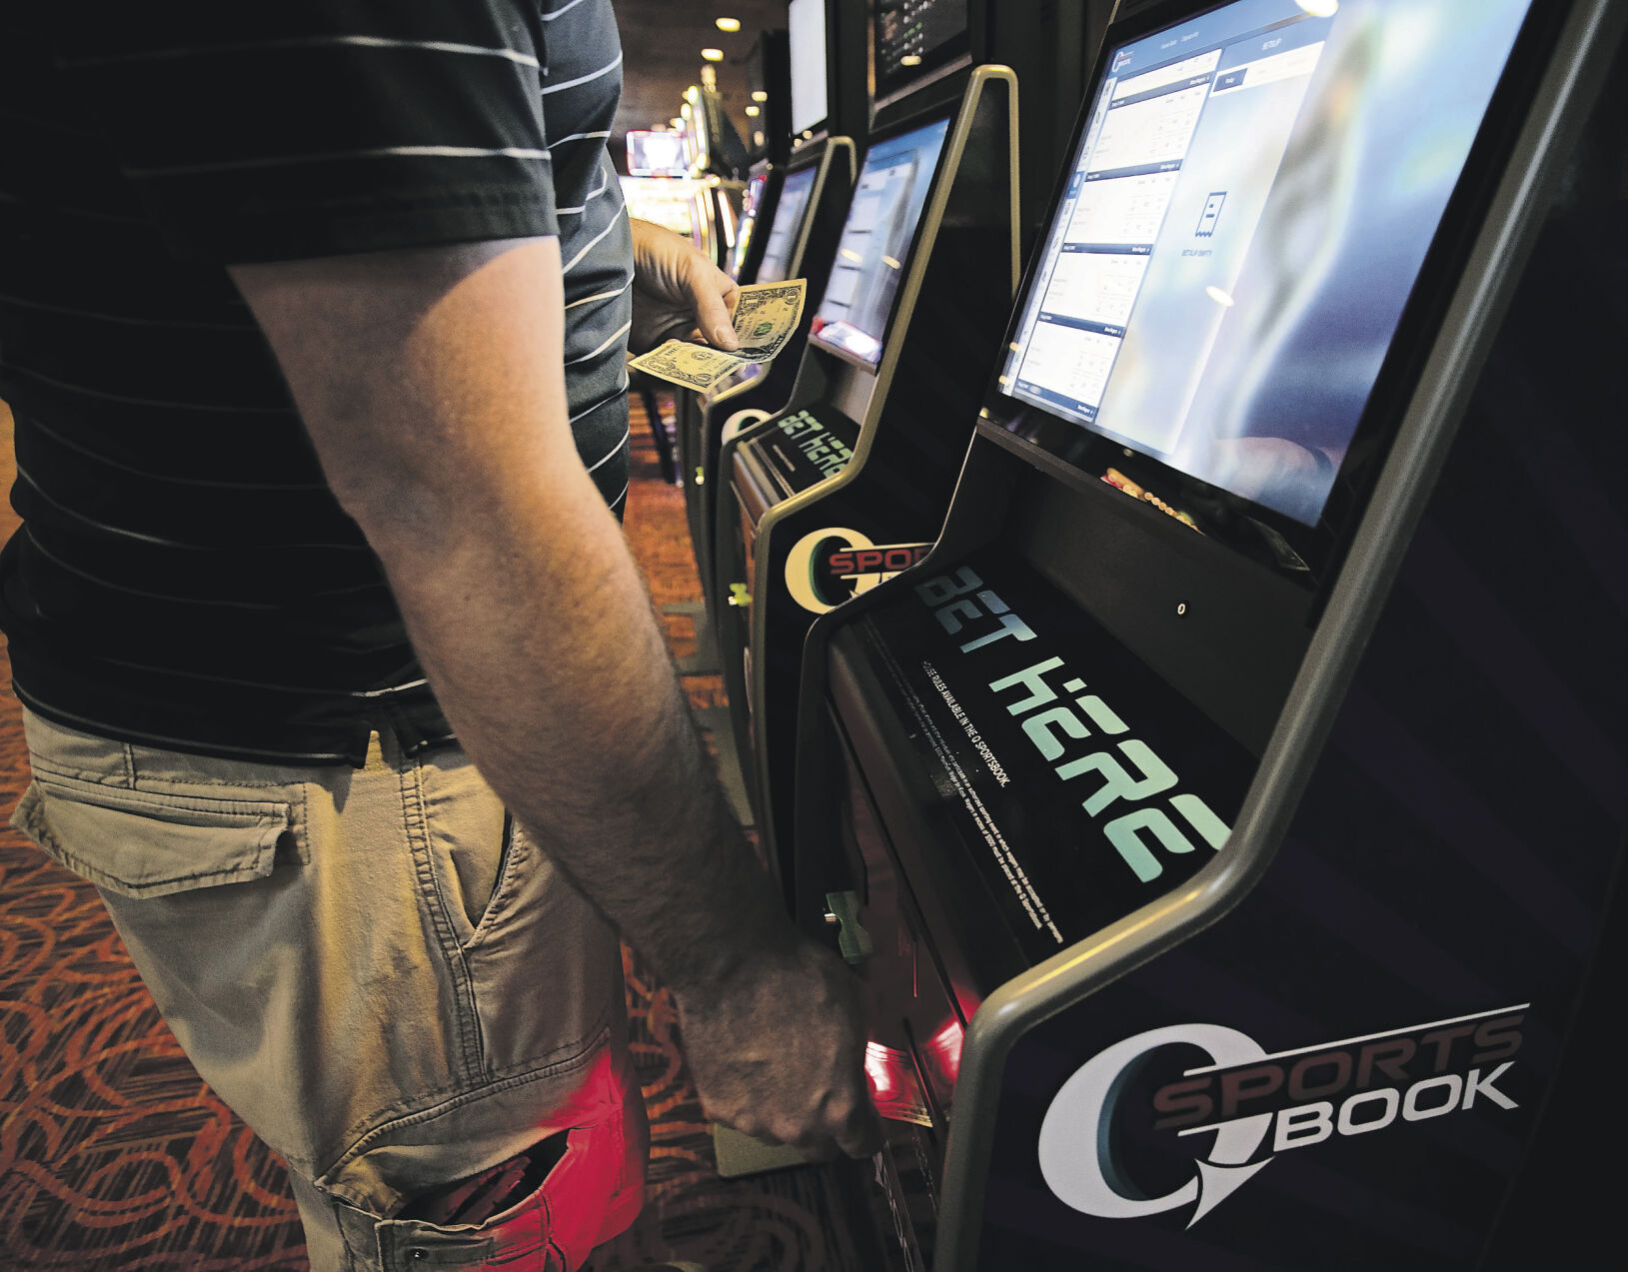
(115, 1155)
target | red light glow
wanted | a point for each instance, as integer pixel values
(944, 1050)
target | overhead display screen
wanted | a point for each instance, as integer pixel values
(908, 33)
(1251, 201)
(882, 219)
(805, 33)
(783, 227)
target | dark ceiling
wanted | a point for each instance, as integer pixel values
(661, 45)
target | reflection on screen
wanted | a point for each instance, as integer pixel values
(1251, 202)
(788, 218)
(805, 33)
(887, 204)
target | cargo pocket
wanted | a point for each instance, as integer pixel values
(144, 843)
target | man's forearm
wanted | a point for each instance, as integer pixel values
(519, 593)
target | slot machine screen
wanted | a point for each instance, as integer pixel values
(665, 201)
(882, 220)
(1250, 203)
(783, 227)
(805, 23)
(656, 154)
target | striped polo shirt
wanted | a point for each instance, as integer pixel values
(183, 577)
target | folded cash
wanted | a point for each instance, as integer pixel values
(766, 317)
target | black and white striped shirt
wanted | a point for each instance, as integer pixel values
(183, 577)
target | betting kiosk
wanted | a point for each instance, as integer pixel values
(864, 456)
(1223, 818)
(827, 56)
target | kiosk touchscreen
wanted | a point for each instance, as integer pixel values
(1241, 231)
(882, 220)
(1168, 809)
(786, 226)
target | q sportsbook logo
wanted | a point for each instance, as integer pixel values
(827, 567)
(1091, 1160)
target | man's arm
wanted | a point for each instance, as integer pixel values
(432, 387)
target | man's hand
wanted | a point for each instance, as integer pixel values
(677, 292)
(777, 1051)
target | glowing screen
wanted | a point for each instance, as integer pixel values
(887, 205)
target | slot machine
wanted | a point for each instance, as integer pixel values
(716, 160)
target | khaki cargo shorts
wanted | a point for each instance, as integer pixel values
(381, 974)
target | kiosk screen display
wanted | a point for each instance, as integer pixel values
(788, 218)
(875, 244)
(805, 28)
(1252, 198)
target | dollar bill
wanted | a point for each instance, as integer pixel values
(766, 317)
(693, 366)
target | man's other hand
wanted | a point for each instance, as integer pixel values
(777, 1051)
(677, 292)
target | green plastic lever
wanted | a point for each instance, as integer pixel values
(842, 908)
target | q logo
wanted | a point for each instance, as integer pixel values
(1076, 1156)
(827, 567)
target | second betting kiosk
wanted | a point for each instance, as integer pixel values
(861, 461)
(1223, 819)
(826, 55)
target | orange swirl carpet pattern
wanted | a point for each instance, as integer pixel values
(114, 1155)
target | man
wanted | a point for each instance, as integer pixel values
(289, 653)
